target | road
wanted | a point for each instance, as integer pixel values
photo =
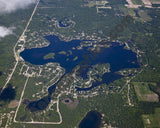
(37, 122)
(13, 70)
(14, 120)
(14, 49)
(129, 101)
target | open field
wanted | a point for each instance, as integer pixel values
(132, 4)
(13, 104)
(140, 3)
(155, 1)
(147, 3)
(144, 93)
(144, 16)
(152, 120)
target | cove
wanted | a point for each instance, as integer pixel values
(106, 79)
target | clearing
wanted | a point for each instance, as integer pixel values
(144, 93)
(152, 120)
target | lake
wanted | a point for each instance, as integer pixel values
(66, 52)
(8, 93)
(91, 120)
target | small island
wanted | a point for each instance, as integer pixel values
(62, 53)
(49, 56)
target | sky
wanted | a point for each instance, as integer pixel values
(9, 6)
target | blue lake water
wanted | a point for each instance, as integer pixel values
(118, 57)
(106, 78)
(1, 73)
(39, 105)
(64, 23)
(8, 94)
(35, 55)
(91, 120)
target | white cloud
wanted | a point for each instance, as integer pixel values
(7, 6)
(5, 31)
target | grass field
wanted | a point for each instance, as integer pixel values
(152, 120)
(155, 1)
(144, 93)
(144, 16)
(158, 52)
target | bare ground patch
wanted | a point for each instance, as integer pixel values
(70, 103)
(13, 104)
(152, 97)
